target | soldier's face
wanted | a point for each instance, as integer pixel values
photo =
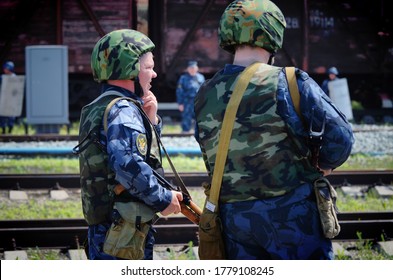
(192, 70)
(7, 72)
(146, 73)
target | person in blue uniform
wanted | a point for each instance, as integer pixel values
(187, 87)
(332, 75)
(267, 203)
(7, 122)
(122, 61)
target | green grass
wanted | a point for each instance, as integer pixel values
(40, 209)
(46, 165)
(59, 165)
(73, 129)
(369, 203)
(365, 162)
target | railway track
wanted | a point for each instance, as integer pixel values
(69, 137)
(48, 181)
(71, 233)
(58, 137)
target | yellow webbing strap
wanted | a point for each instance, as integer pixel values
(109, 107)
(293, 89)
(226, 133)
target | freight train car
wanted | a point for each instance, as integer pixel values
(353, 35)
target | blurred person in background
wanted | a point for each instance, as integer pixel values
(332, 75)
(187, 87)
(7, 122)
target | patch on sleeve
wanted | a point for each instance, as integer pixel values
(141, 143)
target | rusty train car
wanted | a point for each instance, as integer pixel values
(353, 35)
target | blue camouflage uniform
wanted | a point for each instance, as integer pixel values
(187, 87)
(127, 159)
(268, 207)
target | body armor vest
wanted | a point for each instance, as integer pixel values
(96, 178)
(264, 158)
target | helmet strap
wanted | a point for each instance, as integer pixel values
(138, 88)
(271, 59)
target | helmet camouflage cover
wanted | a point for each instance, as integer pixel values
(258, 23)
(116, 55)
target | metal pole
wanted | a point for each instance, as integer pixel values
(306, 36)
(59, 23)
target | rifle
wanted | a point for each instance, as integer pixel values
(188, 207)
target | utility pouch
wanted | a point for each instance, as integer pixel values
(326, 197)
(211, 239)
(127, 235)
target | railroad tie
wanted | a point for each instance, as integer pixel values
(15, 255)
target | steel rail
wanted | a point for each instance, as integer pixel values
(68, 137)
(73, 137)
(192, 179)
(71, 233)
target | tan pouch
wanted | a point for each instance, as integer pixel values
(326, 201)
(126, 237)
(211, 240)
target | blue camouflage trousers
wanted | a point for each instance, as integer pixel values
(187, 116)
(282, 228)
(7, 122)
(96, 237)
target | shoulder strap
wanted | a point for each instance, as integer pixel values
(109, 107)
(226, 133)
(293, 89)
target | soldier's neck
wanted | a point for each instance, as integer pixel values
(127, 84)
(247, 55)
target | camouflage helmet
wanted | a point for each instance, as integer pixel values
(116, 55)
(258, 23)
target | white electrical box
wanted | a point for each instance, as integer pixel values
(47, 84)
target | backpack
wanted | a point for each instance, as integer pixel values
(96, 178)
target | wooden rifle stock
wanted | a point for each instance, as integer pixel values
(188, 208)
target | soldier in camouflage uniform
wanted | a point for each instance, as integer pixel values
(122, 61)
(187, 87)
(267, 204)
